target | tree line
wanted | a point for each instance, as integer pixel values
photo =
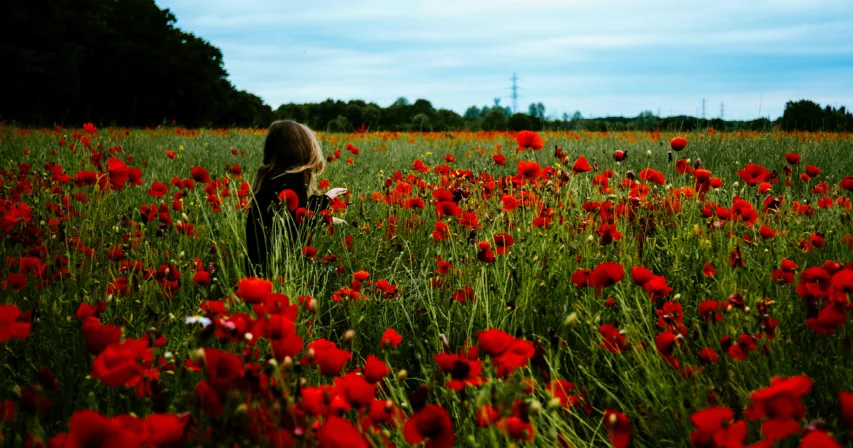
(402, 115)
(126, 63)
(113, 62)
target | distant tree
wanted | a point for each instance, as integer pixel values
(355, 113)
(420, 122)
(577, 115)
(472, 113)
(423, 107)
(536, 110)
(401, 101)
(803, 115)
(339, 124)
(761, 124)
(519, 122)
(494, 120)
(718, 124)
(372, 115)
(448, 120)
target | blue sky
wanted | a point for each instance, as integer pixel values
(601, 57)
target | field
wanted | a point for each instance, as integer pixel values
(488, 289)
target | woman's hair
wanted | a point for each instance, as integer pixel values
(290, 147)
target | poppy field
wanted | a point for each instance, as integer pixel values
(564, 289)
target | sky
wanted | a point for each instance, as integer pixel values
(599, 57)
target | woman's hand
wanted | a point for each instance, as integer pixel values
(335, 193)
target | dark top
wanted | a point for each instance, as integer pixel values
(259, 225)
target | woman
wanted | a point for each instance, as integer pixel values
(286, 182)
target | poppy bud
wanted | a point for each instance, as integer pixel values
(349, 335)
(535, 407)
(402, 375)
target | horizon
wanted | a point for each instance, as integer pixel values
(750, 59)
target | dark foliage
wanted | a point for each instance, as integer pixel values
(113, 62)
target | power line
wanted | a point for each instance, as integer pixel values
(703, 107)
(722, 111)
(514, 93)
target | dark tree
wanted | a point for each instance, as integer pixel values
(113, 62)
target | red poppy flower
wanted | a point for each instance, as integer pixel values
(561, 390)
(199, 174)
(812, 171)
(222, 370)
(157, 189)
(503, 241)
(666, 342)
(708, 423)
(98, 336)
(753, 174)
(118, 173)
(411, 203)
(356, 390)
(509, 203)
(641, 275)
(375, 369)
(164, 430)
(817, 438)
(656, 288)
(464, 295)
(390, 339)
(845, 400)
(780, 405)
(620, 155)
(581, 278)
(463, 372)
(253, 290)
(117, 364)
(447, 208)
(529, 140)
(740, 350)
(608, 234)
(581, 165)
(614, 340)
(792, 158)
(618, 428)
(290, 198)
(846, 183)
(339, 433)
(89, 428)
(494, 341)
(327, 356)
(517, 355)
(678, 143)
(529, 170)
(709, 310)
(11, 325)
(430, 423)
(606, 274)
(708, 270)
(484, 252)
(499, 159)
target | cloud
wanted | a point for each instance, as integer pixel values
(601, 57)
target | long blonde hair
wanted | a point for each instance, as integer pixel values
(290, 147)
